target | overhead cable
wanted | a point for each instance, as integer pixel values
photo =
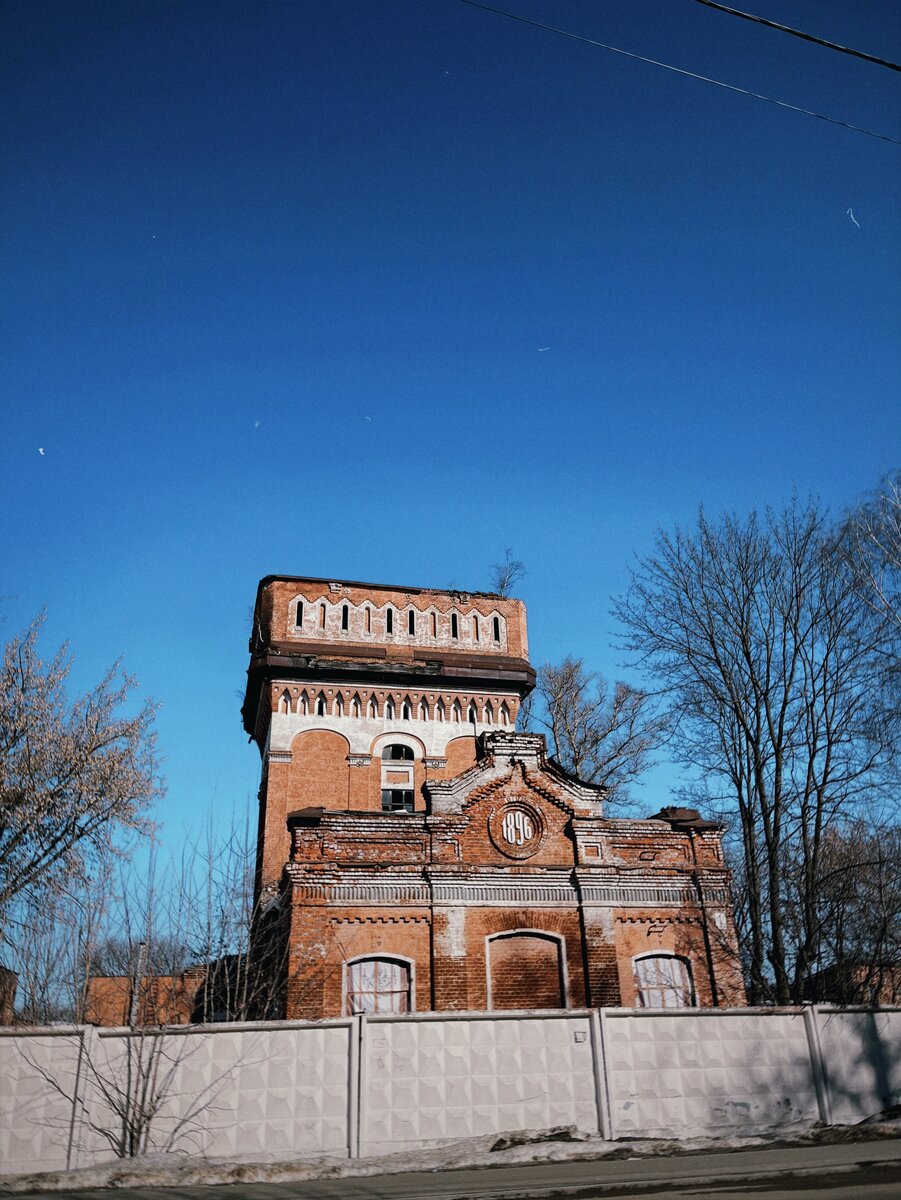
(808, 37)
(807, 112)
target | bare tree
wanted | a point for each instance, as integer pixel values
(505, 575)
(603, 737)
(71, 774)
(873, 532)
(772, 666)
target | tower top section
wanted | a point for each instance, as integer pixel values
(305, 628)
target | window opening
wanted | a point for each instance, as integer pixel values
(454, 631)
(439, 710)
(378, 985)
(411, 622)
(368, 620)
(284, 702)
(406, 710)
(322, 616)
(423, 710)
(389, 620)
(356, 707)
(373, 707)
(505, 714)
(471, 713)
(389, 708)
(434, 626)
(339, 705)
(397, 778)
(397, 753)
(320, 705)
(497, 629)
(475, 628)
(298, 616)
(457, 711)
(663, 981)
(345, 615)
(489, 714)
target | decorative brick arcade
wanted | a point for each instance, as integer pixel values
(426, 856)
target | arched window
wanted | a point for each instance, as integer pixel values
(663, 981)
(475, 627)
(389, 708)
(454, 628)
(439, 710)
(411, 622)
(496, 627)
(368, 619)
(373, 707)
(320, 705)
(406, 709)
(377, 985)
(298, 615)
(322, 616)
(284, 702)
(423, 709)
(339, 705)
(303, 704)
(526, 970)
(345, 616)
(397, 778)
(505, 714)
(389, 619)
(356, 708)
(434, 625)
(457, 712)
(489, 713)
(471, 713)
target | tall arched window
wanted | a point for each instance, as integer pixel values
(389, 619)
(284, 702)
(406, 709)
(298, 615)
(505, 714)
(377, 985)
(339, 705)
(389, 708)
(320, 705)
(373, 707)
(368, 619)
(455, 632)
(345, 616)
(303, 704)
(496, 628)
(663, 981)
(322, 616)
(423, 709)
(471, 713)
(411, 622)
(457, 711)
(356, 707)
(475, 628)
(439, 710)
(397, 778)
(489, 713)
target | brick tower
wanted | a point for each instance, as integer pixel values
(425, 855)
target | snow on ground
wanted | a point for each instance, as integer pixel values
(490, 1150)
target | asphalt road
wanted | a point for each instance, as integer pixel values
(855, 1171)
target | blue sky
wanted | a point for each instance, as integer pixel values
(278, 280)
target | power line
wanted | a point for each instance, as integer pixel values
(807, 112)
(808, 37)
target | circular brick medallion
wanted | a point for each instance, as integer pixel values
(516, 829)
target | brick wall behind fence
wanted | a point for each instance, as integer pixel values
(362, 1086)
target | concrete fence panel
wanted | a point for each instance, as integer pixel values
(692, 1071)
(40, 1075)
(861, 1054)
(427, 1079)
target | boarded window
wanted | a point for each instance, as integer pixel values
(378, 985)
(663, 981)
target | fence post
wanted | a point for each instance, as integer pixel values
(599, 1033)
(82, 1097)
(817, 1066)
(362, 1070)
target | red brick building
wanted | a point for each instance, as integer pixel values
(425, 855)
